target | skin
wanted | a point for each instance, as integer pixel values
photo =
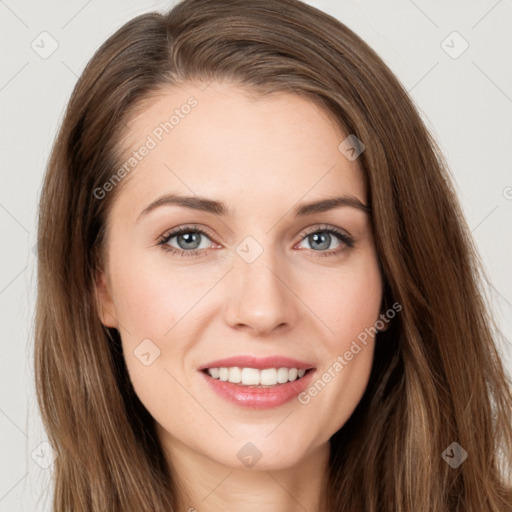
(262, 156)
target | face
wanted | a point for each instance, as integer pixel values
(286, 293)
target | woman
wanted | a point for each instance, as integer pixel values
(196, 349)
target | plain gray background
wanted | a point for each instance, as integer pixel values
(464, 96)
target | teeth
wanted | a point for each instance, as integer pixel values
(268, 377)
(250, 377)
(282, 375)
(235, 375)
(255, 377)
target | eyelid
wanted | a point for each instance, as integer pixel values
(313, 228)
(187, 227)
(343, 236)
(171, 233)
(324, 227)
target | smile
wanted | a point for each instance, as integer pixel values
(256, 377)
(257, 383)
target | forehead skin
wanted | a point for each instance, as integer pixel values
(287, 150)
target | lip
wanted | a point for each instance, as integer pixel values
(259, 363)
(256, 397)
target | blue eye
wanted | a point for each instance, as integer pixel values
(189, 240)
(190, 237)
(322, 238)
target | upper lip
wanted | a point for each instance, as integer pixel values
(258, 362)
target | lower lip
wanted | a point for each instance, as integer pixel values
(259, 398)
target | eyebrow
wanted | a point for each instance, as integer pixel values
(219, 207)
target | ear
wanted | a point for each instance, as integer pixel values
(383, 322)
(104, 303)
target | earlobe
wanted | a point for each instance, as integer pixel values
(104, 303)
(382, 323)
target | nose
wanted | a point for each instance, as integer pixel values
(261, 297)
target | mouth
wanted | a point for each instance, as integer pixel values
(258, 383)
(256, 378)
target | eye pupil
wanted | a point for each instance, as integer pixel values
(190, 238)
(322, 237)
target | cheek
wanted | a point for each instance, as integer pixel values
(155, 306)
(348, 302)
(149, 300)
(350, 307)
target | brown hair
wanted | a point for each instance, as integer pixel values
(437, 377)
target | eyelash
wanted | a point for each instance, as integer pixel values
(162, 241)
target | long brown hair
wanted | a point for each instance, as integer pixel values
(436, 378)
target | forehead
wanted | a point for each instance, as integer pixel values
(238, 146)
